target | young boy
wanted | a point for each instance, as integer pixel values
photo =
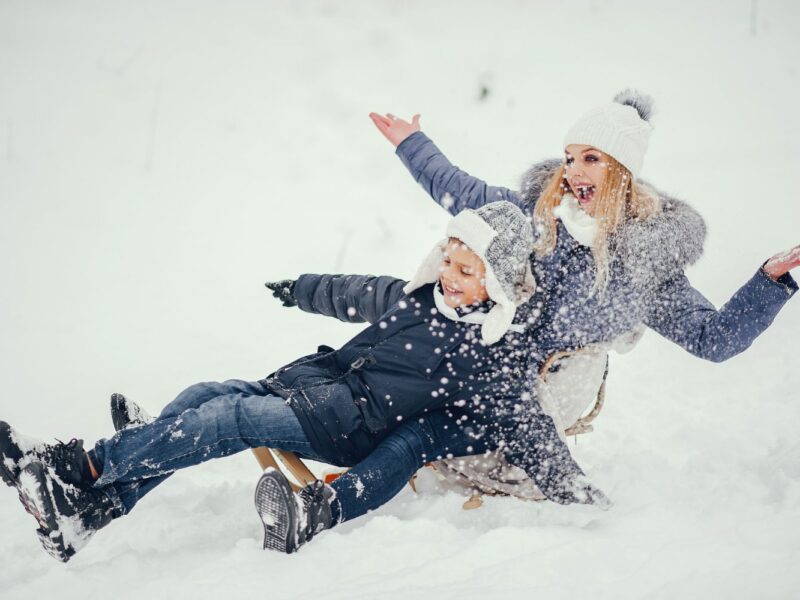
(442, 354)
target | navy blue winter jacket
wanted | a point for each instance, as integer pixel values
(410, 360)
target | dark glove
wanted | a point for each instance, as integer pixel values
(283, 290)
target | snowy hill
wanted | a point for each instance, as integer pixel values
(160, 160)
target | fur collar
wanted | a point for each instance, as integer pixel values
(651, 251)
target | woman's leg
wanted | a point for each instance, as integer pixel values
(136, 460)
(381, 475)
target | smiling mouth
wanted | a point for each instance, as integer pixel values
(585, 193)
(449, 290)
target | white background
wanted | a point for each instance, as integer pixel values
(160, 160)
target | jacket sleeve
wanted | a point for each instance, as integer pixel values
(531, 442)
(349, 298)
(683, 315)
(451, 187)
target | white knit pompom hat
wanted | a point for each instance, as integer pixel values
(620, 128)
(502, 237)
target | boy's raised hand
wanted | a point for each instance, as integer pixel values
(393, 129)
(283, 290)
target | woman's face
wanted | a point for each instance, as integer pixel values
(585, 171)
(462, 275)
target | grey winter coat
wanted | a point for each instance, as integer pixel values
(647, 283)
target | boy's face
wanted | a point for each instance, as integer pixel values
(462, 275)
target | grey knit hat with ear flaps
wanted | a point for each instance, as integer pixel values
(502, 237)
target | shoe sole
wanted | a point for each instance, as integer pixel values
(126, 414)
(5, 473)
(12, 480)
(273, 500)
(38, 502)
(26, 501)
(119, 411)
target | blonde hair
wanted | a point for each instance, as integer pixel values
(619, 199)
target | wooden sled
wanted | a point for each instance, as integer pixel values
(300, 475)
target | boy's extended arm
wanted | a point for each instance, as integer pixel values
(451, 187)
(349, 298)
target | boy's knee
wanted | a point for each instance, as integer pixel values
(192, 397)
(414, 442)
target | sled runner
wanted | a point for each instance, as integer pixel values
(568, 383)
(292, 464)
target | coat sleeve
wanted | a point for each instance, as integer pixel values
(349, 298)
(683, 315)
(448, 185)
(531, 442)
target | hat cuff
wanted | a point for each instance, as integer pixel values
(502, 313)
(471, 229)
(498, 322)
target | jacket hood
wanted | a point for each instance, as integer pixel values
(650, 251)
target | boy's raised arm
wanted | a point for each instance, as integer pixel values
(349, 298)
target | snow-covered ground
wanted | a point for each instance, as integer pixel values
(160, 160)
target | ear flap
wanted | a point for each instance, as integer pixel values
(497, 322)
(428, 271)
(499, 319)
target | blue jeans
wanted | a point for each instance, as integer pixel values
(388, 468)
(212, 420)
(205, 421)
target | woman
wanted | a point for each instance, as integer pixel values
(610, 250)
(609, 258)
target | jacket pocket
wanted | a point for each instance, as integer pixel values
(333, 406)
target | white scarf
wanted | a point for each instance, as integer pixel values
(579, 224)
(477, 317)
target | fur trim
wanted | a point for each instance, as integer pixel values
(650, 251)
(659, 248)
(536, 179)
(428, 271)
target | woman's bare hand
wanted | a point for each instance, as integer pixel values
(782, 263)
(393, 129)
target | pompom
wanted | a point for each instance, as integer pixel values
(641, 102)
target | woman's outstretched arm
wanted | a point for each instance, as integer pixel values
(451, 187)
(683, 315)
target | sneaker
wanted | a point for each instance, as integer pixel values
(126, 414)
(68, 515)
(290, 520)
(67, 459)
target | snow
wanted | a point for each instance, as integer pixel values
(160, 161)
